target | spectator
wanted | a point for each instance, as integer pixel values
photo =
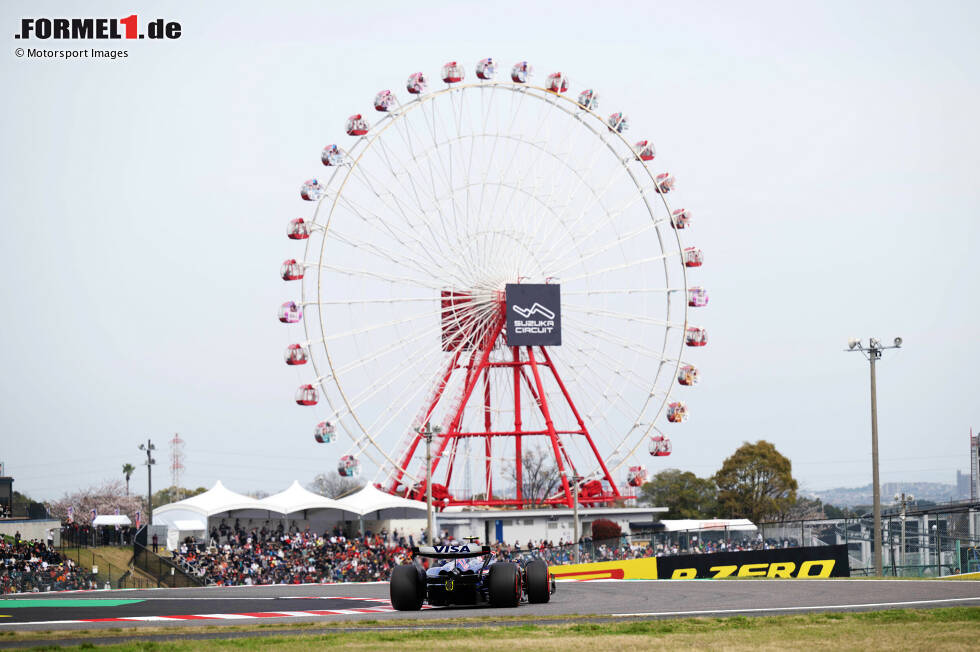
(32, 566)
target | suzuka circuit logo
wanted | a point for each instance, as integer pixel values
(536, 309)
(533, 314)
(97, 28)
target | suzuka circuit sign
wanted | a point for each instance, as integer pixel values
(533, 314)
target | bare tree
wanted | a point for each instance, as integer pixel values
(333, 486)
(539, 475)
(104, 499)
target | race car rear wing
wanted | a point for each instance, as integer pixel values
(451, 552)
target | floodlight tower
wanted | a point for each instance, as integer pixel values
(149, 448)
(872, 352)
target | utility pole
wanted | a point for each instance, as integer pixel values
(427, 433)
(873, 353)
(149, 448)
(575, 553)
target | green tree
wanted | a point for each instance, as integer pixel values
(128, 472)
(173, 494)
(756, 483)
(683, 493)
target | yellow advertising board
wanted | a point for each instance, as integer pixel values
(626, 569)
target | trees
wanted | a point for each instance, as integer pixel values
(756, 482)
(603, 529)
(173, 494)
(105, 500)
(539, 475)
(683, 493)
(332, 485)
(128, 472)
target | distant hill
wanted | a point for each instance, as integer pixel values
(849, 497)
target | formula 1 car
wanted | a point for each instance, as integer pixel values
(465, 580)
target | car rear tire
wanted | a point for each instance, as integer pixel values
(407, 588)
(504, 584)
(538, 584)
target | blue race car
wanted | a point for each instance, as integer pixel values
(466, 580)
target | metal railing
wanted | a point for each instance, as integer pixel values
(164, 571)
(105, 575)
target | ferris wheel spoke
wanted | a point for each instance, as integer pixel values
(587, 328)
(399, 235)
(620, 267)
(569, 293)
(598, 145)
(529, 170)
(351, 271)
(625, 316)
(560, 266)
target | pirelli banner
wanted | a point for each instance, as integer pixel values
(778, 563)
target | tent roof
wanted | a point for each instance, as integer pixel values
(216, 500)
(731, 524)
(189, 525)
(296, 499)
(371, 499)
(112, 519)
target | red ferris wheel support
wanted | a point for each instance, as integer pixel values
(529, 364)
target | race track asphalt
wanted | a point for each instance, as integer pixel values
(610, 599)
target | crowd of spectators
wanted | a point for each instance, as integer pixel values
(593, 551)
(235, 556)
(33, 566)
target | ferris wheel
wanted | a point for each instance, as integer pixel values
(495, 264)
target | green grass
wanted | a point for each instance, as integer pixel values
(950, 628)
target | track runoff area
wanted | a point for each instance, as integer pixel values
(790, 581)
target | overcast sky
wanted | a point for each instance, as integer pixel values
(830, 152)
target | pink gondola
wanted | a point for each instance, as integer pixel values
(557, 83)
(588, 99)
(681, 219)
(660, 445)
(290, 313)
(296, 355)
(676, 412)
(324, 432)
(486, 68)
(306, 395)
(298, 229)
(637, 476)
(357, 125)
(452, 72)
(416, 83)
(384, 100)
(693, 257)
(291, 270)
(687, 375)
(311, 190)
(665, 182)
(332, 156)
(644, 150)
(697, 297)
(695, 336)
(348, 466)
(618, 122)
(521, 71)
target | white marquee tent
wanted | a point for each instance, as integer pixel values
(371, 499)
(197, 513)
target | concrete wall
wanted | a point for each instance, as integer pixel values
(32, 529)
